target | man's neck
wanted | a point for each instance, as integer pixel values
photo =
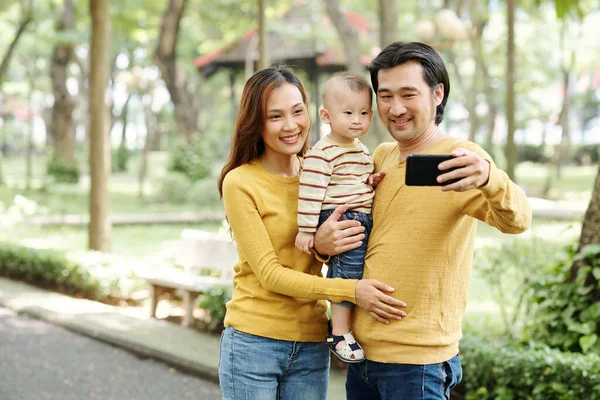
(420, 143)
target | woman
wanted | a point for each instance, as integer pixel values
(273, 345)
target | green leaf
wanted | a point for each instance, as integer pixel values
(584, 329)
(596, 273)
(592, 313)
(592, 249)
(586, 342)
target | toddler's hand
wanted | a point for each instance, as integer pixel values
(374, 179)
(305, 241)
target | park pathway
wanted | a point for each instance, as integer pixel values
(41, 361)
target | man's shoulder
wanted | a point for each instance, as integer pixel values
(450, 143)
(385, 149)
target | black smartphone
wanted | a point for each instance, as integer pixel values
(422, 169)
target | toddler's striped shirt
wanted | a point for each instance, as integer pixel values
(333, 174)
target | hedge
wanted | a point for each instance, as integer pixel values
(92, 275)
(500, 371)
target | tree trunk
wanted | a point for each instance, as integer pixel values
(165, 57)
(477, 45)
(511, 149)
(590, 234)
(388, 22)
(100, 225)
(263, 60)
(124, 118)
(11, 48)
(492, 109)
(562, 149)
(590, 231)
(347, 35)
(61, 125)
(147, 142)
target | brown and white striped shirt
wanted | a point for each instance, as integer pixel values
(333, 174)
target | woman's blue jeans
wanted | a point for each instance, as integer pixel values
(258, 368)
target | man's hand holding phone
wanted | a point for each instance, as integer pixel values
(471, 170)
(461, 170)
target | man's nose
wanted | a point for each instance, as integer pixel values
(398, 107)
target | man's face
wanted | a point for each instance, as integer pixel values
(405, 102)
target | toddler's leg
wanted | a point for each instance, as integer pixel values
(341, 341)
(340, 321)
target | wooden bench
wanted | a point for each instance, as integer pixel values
(200, 253)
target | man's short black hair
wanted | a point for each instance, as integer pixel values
(434, 70)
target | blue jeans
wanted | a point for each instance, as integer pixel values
(349, 265)
(258, 368)
(371, 380)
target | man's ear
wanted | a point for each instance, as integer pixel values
(324, 116)
(438, 94)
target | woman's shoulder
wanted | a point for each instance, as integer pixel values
(242, 174)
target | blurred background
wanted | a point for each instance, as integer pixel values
(116, 118)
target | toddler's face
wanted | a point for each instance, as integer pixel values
(349, 113)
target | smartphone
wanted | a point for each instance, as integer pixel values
(422, 169)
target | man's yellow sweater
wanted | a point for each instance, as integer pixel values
(276, 287)
(422, 245)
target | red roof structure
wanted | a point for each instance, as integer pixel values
(301, 41)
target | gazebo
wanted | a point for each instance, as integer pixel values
(302, 38)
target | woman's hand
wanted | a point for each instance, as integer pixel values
(335, 237)
(372, 295)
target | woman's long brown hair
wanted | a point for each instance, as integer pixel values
(247, 143)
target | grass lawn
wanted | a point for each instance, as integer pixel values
(59, 199)
(575, 182)
(134, 240)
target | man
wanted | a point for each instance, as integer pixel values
(423, 238)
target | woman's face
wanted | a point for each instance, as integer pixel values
(287, 121)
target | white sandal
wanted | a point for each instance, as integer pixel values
(350, 352)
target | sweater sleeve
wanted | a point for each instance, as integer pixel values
(500, 203)
(314, 179)
(253, 242)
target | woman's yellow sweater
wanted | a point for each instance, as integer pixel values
(278, 291)
(422, 245)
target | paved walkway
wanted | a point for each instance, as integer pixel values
(185, 349)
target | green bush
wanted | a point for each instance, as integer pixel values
(120, 159)
(174, 188)
(590, 151)
(508, 271)
(534, 153)
(62, 172)
(567, 310)
(191, 159)
(90, 274)
(214, 302)
(504, 371)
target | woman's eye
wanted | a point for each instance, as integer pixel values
(298, 112)
(274, 116)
